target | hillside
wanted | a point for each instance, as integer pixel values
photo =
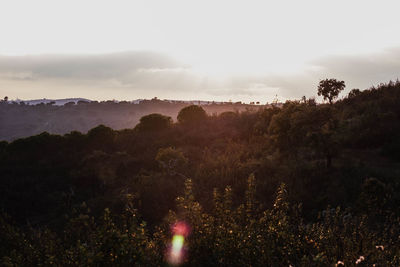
(23, 119)
(306, 184)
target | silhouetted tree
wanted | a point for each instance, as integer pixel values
(101, 137)
(353, 93)
(154, 122)
(191, 114)
(330, 89)
(68, 104)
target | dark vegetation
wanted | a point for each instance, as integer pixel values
(303, 185)
(19, 120)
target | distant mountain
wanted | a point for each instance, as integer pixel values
(57, 102)
(59, 116)
(61, 102)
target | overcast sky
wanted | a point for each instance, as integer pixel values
(209, 50)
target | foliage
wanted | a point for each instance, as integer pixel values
(154, 122)
(330, 89)
(305, 184)
(191, 115)
(171, 160)
(241, 236)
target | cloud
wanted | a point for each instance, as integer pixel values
(137, 73)
(358, 71)
(143, 74)
(107, 66)
(363, 70)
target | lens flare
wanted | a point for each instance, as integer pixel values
(176, 251)
(177, 243)
(180, 228)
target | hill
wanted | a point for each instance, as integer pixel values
(26, 118)
(305, 184)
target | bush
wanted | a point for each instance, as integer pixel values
(191, 115)
(153, 123)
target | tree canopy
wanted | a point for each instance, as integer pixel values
(330, 89)
(302, 184)
(191, 114)
(154, 122)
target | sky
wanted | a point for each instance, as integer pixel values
(209, 50)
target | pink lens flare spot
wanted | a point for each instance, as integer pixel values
(180, 228)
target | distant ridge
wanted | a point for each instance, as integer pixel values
(61, 102)
(57, 102)
(23, 118)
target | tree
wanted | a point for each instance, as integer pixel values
(330, 89)
(81, 102)
(191, 114)
(354, 92)
(101, 138)
(302, 128)
(171, 160)
(154, 122)
(68, 104)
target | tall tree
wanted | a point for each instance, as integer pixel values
(330, 89)
(191, 115)
(154, 122)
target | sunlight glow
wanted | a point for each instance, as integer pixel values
(213, 37)
(214, 41)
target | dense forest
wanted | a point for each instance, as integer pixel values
(20, 119)
(305, 184)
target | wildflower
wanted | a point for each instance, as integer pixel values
(380, 247)
(360, 259)
(339, 263)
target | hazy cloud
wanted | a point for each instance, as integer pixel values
(358, 71)
(87, 67)
(363, 70)
(141, 74)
